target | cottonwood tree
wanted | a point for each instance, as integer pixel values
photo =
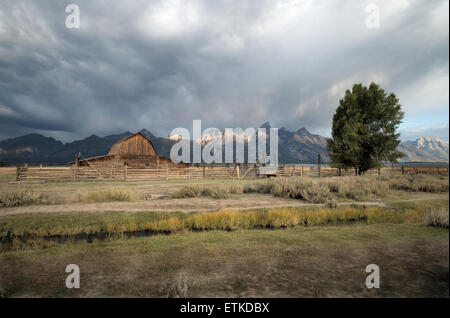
(364, 131)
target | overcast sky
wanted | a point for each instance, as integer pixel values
(231, 63)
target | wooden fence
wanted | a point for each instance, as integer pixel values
(232, 171)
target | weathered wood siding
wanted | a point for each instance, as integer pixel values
(136, 145)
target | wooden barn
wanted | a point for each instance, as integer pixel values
(136, 151)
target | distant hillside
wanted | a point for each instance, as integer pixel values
(28, 148)
(301, 146)
(298, 146)
(36, 148)
(91, 146)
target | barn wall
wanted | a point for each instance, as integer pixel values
(136, 145)
(105, 160)
(147, 161)
(138, 161)
(132, 161)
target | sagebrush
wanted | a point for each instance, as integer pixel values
(22, 198)
(110, 195)
(321, 190)
(437, 218)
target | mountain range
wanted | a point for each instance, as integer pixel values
(298, 146)
(425, 149)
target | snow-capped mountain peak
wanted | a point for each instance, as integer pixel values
(434, 146)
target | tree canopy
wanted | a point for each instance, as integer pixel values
(364, 130)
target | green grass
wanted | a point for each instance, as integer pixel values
(44, 224)
(5, 178)
(315, 251)
(296, 262)
(33, 230)
(420, 204)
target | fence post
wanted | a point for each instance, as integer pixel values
(167, 171)
(301, 172)
(340, 172)
(17, 172)
(237, 171)
(75, 175)
(379, 171)
(204, 172)
(125, 172)
(26, 169)
(403, 169)
(318, 163)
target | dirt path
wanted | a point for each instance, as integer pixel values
(248, 201)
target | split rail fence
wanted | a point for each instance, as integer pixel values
(232, 171)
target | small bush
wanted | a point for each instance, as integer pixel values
(22, 198)
(418, 183)
(258, 187)
(178, 288)
(189, 191)
(331, 204)
(437, 218)
(110, 195)
(214, 191)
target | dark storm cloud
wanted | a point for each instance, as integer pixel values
(160, 64)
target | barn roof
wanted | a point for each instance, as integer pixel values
(116, 147)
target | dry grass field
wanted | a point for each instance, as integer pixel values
(284, 237)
